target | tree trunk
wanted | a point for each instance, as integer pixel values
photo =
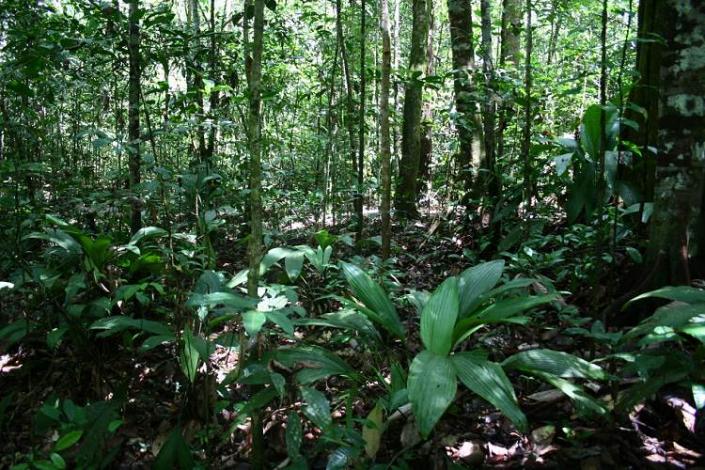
(195, 85)
(349, 104)
(385, 155)
(509, 58)
(427, 113)
(407, 190)
(254, 131)
(676, 225)
(601, 183)
(645, 94)
(490, 180)
(361, 130)
(134, 113)
(214, 98)
(462, 48)
(529, 191)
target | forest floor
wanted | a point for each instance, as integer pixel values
(660, 433)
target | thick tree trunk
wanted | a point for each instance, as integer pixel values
(133, 127)
(676, 226)
(645, 94)
(407, 190)
(384, 154)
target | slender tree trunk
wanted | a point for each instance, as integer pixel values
(385, 156)
(254, 131)
(556, 23)
(427, 113)
(395, 83)
(349, 102)
(330, 134)
(407, 190)
(361, 123)
(509, 59)
(490, 179)
(214, 98)
(462, 48)
(603, 113)
(529, 192)
(134, 113)
(195, 85)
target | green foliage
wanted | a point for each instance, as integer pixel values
(656, 351)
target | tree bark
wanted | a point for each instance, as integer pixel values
(427, 112)
(509, 59)
(529, 191)
(134, 113)
(676, 226)
(385, 152)
(195, 85)
(254, 131)
(462, 48)
(645, 95)
(407, 190)
(361, 129)
(349, 102)
(490, 178)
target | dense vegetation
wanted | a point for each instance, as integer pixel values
(386, 234)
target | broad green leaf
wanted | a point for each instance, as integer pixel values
(374, 298)
(488, 380)
(317, 363)
(671, 316)
(294, 434)
(293, 264)
(253, 322)
(15, 331)
(556, 363)
(279, 318)
(372, 430)
(317, 407)
(154, 341)
(590, 134)
(118, 323)
(340, 458)
(474, 282)
(57, 460)
(438, 318)
(273, 256)
(431, 386)
(175, 453)
(499, 312)
(67, 440)
(147, 232)
(687, 294)
(189, 356)
(226, 299)
(576, 393)
(344, 319)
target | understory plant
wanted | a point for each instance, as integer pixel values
(457, 309)
(667, 348)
